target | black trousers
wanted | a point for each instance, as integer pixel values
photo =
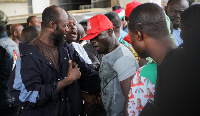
(9, 111)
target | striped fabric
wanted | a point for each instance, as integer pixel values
(176, 34)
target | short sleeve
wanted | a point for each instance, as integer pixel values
(125, 67)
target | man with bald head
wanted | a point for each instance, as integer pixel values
(174, 10)
(47, 84)
(15, 31)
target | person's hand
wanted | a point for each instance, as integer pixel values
(87, 97)
(73, 74)
(73, 71)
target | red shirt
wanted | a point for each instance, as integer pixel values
(137, 84)
(139, 108)
(149, 96)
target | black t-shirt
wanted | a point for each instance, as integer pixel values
(178, 83)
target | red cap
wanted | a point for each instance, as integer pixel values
(96, 25)
(130, 6)
(119, 11)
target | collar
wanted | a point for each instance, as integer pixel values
(3, 35)
(119, 38)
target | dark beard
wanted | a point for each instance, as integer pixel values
(57, 37)
(58, 40)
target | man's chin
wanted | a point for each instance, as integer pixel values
(99, 52)
(175, 26)
(58, 41)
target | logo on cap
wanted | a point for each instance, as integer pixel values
(88, 25)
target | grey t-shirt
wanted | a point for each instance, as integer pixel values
(116, 66)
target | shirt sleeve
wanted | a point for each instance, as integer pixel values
(82, 52)
(125, 67)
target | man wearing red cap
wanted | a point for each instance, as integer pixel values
(117, 68)
(121, 14)
(129, 7)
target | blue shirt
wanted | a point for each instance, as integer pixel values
(123, 33)
(126, 29)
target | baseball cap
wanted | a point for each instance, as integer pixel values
(96, 25)
(3, 18)
(130, 6)
(119, 11)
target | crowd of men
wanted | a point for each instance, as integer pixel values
(141, 60)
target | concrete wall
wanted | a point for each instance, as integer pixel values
(13, 9)
(123, 3)
(54, 2)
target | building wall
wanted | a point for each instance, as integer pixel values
(13, 9)
(39, 5)
(123, 3)
(54, 2)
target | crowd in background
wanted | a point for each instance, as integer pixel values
(141, 60)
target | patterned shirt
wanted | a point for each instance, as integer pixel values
(142, 88)
(176, 34)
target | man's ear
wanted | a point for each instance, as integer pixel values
(110, 31)
(52, 25)
(15, 33)
(139, 35)
(29, 24)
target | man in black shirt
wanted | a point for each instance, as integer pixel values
(178, 69)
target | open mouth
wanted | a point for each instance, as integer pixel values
(73, 34)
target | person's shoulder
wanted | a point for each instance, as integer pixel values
(7, 40)
(24, 48)
(126, 52)
(175, 54)
(173, 60)
(68, 46)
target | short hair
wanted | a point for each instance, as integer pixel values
(29, 19)
(29, 33)
(114, 18)
(50, 14)
(189, 2)
(190, 19)
(149, 18)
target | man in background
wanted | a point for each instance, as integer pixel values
(129, 7)
(15, 31)
(174, 10)
(33, 20)
(29, 33)
(121, 14)
(9, 53)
